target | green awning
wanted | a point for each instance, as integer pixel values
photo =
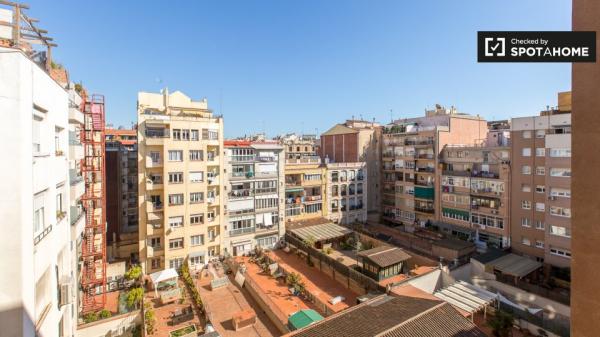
(424, 192)
(294, 189)
(303, 318)
(457, 212)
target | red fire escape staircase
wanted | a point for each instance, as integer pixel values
(93, 277)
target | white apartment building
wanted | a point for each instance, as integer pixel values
(180, 181)
(37, 255)
(255, 198)
(347, 192)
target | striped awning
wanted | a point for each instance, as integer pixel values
(321, 232)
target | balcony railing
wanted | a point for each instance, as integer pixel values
(235, 194)
(265, 190)
(425, 169)
(456, 173)
(491, 175)
(157, 133)
(241, 231)
(243, 158)
(424, 209)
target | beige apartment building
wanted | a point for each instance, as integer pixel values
(299, 146)
(541, 184)
(180, 181)
(305, 189)
(410, 163)
(347, 192)
(255, 197)
(475, 189)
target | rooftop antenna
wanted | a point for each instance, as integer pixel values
(391, 116)
(221, 101)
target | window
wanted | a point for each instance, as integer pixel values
(560, 211)
(266, 203)
(539, 244)
(540, 189)
(39, 223)
(526, 152)
(177, 134)
(155, 263)
(525, 241)
(176, 199)
(526, 204)
(176, 263)
(540, 206)
(210, 215)
(560, 231)
(176, 243)
(37, 134)
(486, 220)
(197, 240)
(525, 188)
(154, 242)
(540, 152)
(176, 221)
(196, 219)
(540, 170)
(155, 156)
(560, 172)
(175, 155)
(268, 242)
(540, 133)
(59, 203)
(196, 260)
(194, 135)
(196, 197)
(196, 155)
(560, 192)
(539, 224)
(526, 134)
(525, 222)
(196, 177)
(185, 134)
(175, 177)
(560, 153)
(560, 252)
(210, 134)
(526, 169)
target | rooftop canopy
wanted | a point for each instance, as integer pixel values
(515, 265)
(385, 256)
(164, 275)
(466, 297)
(321, 232)
(303, 318)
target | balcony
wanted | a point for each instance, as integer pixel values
(428, 210)
(152, 207)
(312, 198)
(239, 194)
(152, 185)
(212, 180)
(152, 251)
(293, 210)
(425, 156)
(266, 190)
(243, 158)
(241, 175)
(456, 173)
(480, 174)
(242, 231)
(304, 160)
(151, 164)
(425, 169)
(265, 229)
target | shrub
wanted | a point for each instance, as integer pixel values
(134, 297)
(134, 273)
(105, 313)
(90, 317)
(149, 319)
(501, 323)
(189, 282)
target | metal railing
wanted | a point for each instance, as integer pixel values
(241, 231)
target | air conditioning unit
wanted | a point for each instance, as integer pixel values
(66, 294)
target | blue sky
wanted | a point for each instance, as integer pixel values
(301, 66)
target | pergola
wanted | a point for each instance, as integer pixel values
(162, 276)
(321, 233)
(467, 297)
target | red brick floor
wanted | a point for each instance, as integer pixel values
(163, 313)
(317, 283)
(222, 303)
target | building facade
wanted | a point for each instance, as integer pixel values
(356, 141)
(180, 181)
(347, 192)
(255, 197)
(410, 164)
(122, 195)
(299, 146)
(37, 284)
(475, 190)
(305, 189)
(541, 185)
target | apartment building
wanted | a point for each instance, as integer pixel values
(356, 141)
(347, 192)
(255, 196)
(299, 146)
(122, 195)
(305, 188)
(410, 162)
(180, 181)
(37, 285)
(475, 190)
(541, 184)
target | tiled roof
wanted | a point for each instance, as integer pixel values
(394, 317)
(385, 256)
(339, 129)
